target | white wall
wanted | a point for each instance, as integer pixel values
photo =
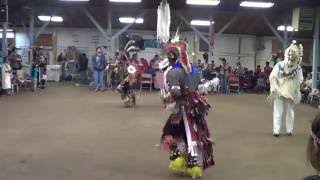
(227, 46)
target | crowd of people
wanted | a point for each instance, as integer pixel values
(221, 76)
(13, 76)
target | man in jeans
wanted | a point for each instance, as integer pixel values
(99, 65)
(223, 75)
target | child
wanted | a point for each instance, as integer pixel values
(313, 151)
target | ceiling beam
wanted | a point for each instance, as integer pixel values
(193, 28)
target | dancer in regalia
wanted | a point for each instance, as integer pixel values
(127, 87)
(285, 80)
(185, 134)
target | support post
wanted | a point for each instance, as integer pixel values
(194, 29)
(211, 29)
(272, 29)
(109, 31)
(4, 31)
(226, 26)
(43, 27)
(315, 60)
(125, 28)
(285, 38)
(31, 28)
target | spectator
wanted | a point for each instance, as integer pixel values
(257, 72)
(306, 87)
(152, 62)
(223, 70)
(6, 76)
(267, 71)
(83, 67)
(239, 69)
(209, 72)
(145, 64)
(99, 65)
(313, 147)
(15, 60)
(261, 84)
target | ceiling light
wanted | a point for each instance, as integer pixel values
(75, 0)
(130, 20)
(139, 21)
(44, 18)
(256, 4)
(201, 23)
(289, 28)
(204, 2)
(56, 19)
(8, 30)
(126, 1)
(9, 35)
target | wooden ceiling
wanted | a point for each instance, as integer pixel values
(249, 21)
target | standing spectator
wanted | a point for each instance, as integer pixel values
(99, 65)
(83, 67)
(6, 76)
(223, 75)
(267, 71)
(258, 71)
(15, 60)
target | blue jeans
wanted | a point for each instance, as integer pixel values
(98, 80)
(224, 84)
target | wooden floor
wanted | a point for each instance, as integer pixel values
(70, 133)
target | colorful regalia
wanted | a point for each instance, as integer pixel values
(130, 76)
(185, 134)
(285, 80)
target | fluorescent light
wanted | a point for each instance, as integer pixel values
(9, 35)
(200, 23)
(56, 19)
(139, 21)
(75, 0)
(204, 2)
(126, 19)
(289, 28)
(126, 1)
(130, 20)
(44, 18)
(8, 30)
(256, 4)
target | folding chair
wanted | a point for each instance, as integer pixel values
(234, 84)
(146, 79)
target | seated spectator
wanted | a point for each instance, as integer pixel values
(154, 60)
(215, 83)
(209, 73)
(306, 87)
(239, 69)
(313, 148)
(145, 65)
